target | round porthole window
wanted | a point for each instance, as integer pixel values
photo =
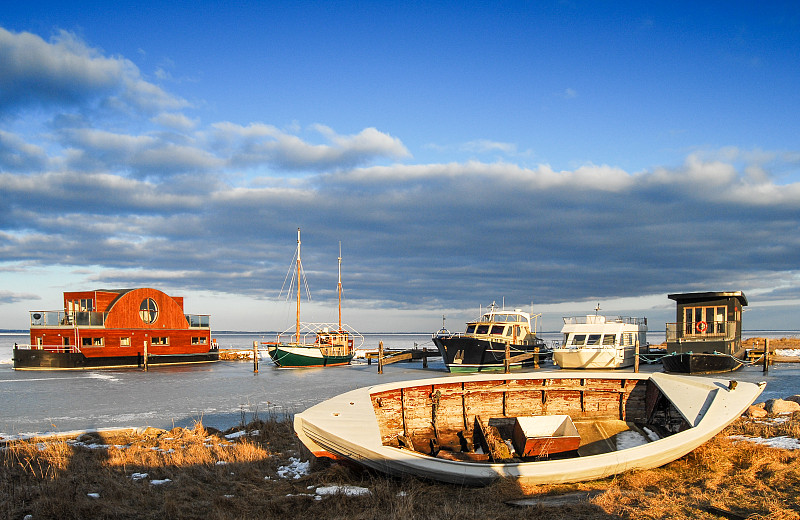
(148, 310)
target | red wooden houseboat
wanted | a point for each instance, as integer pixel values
(116, 328)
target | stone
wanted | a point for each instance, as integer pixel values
(776, 406)
(756, 410)
(794, 398)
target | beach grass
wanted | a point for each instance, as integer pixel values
(257, 471)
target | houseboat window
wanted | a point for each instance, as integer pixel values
(705, 320)
(498, 330)
(159, 340)
(199, 341)
(84, 305)
(608, 339)
(594, 339)
(627, 339)
(579, 339)
(482, 329)
(97, 342)
(86, 342)
(148, 310)
(66, 341)
(124, 342)
(518, 331)
(470, 328)
(92, 342)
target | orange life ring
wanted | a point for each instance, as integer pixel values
(701, 326)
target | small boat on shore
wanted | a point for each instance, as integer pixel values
(499, 337)
(600, 342)
(314, 344)
(110, 328)
(540, 428)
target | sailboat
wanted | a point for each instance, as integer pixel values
(314, 344)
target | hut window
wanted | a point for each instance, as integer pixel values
(705, 320)
(162, 340)
(124, 342)
(199, 341)
(148, 310)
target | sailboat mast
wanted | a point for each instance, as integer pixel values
(340, 287)
(297, 325)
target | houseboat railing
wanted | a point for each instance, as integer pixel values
(198, 320)
(701, 331)
(68, 319)
(590, 319)
(47, 348)
(96, 319)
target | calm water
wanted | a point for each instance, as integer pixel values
(223, 394)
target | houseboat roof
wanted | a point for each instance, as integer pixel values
(705, 296)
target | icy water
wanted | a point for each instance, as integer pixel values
(226, 393)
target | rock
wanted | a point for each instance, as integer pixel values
(756, 410)
(794, 398)
(776, 406)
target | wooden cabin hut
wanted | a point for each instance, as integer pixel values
(707, 334)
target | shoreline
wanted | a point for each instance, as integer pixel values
(258, 469)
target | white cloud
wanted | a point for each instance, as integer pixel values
(66, 71)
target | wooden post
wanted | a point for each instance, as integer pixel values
(145, 355)
(255, 357)
(380, 357)
(636, 357)
(535, 357)
(507, 360)
(425, 357)
(766, 355)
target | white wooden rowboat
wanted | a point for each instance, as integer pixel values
(446, 428)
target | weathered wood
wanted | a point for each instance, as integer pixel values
(492, 442)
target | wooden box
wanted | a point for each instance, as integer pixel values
(539, 436)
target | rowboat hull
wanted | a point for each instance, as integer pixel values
(368, 425)
(290, 356)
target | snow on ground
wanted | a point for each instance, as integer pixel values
(295, 469)
(787, 352)
(783, 442)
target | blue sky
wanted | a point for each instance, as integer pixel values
(560, 154)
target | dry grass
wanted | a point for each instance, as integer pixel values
(214, 477)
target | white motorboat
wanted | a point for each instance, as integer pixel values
(600, 342)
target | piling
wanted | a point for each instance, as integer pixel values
(766, 355)
(507, 359)
(145, 355)
(255, 357)
(380, 357)
(636, 357)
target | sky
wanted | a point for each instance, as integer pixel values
(550, 156)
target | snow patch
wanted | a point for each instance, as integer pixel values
(295, 469)
(350, 491)
(783, 442)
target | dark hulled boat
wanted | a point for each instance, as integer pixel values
(707, 336)
(496, 338)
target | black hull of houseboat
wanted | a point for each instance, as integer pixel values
(465, 354)
(34, 359)
(700, 363)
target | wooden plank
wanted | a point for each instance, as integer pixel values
(492, 442)
(394, 358)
